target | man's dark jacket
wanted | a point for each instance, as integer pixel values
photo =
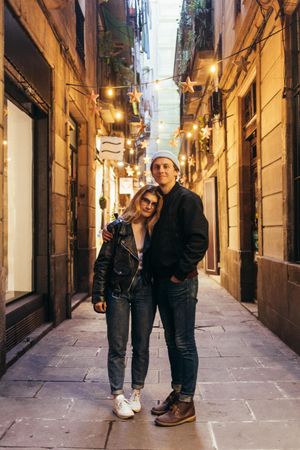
(180, 237)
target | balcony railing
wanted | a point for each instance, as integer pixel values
(195, 32)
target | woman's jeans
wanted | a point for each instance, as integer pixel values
(177, 308)
(140, 303)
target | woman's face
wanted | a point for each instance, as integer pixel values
(148, 204)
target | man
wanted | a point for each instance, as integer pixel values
(179, 241)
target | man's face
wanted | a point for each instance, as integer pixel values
(163, 171)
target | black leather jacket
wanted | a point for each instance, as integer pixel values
(117, 262)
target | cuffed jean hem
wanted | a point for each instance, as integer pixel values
(137, 386)
(117, 392)
(176, 387)
(185, 398)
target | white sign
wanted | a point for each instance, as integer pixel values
(111, 147)
(126, 186)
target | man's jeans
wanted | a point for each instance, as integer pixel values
(177, 307)
(140, 303)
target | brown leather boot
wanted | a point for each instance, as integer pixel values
(166, 404)
(180, 412)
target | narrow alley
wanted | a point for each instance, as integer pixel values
(248, 395)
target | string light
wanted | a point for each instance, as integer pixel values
(182, 157)
(118, 115)
(156, 85)
(129, 141)
(131, 151)
(110, 92)
(138, 173)
(213, 68)
(120, 164)
(182, 163)
(188, 134)
(195, 126)
(157, 141)
(136, 167)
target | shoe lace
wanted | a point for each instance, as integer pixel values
(135, 396)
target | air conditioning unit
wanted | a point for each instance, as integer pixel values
(289, 6)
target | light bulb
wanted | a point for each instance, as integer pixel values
(188, 134)
(110, 92)
(213, 68)
(131, 151)
(129, 141)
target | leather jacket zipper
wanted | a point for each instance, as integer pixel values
(136, 257)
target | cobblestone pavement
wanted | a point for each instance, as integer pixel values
(248, 393)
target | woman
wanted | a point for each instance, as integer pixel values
(121, 286)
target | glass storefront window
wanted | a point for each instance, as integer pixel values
(19, 205)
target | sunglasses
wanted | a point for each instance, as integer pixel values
(148, 202)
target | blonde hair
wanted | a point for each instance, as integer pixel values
(133, 211)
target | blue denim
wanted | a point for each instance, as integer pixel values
(177, 308)
(139, 302)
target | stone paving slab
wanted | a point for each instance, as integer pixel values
(54, 433)
(257, 435)
(57, 395)
(146, 436)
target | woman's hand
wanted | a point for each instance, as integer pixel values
(175, 280)
(100, 307)
(106, 235)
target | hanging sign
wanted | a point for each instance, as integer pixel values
(111, 147)
(126, 186)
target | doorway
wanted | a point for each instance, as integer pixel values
(73, 209)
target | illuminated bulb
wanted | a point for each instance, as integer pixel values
(195, 126)
(136, 167)
(183, 157)
(129, 141)
(138, 173)
(157, 140)
(182, 163)
(142, 184)
(189, 135)
(110, 92)
(120, 164)
(4, 142)
(118, 115)
(157, 85)
(213, 68)
(131, 151)
(161, 125)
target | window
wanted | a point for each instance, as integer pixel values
(79, 12)
(19, 191)
(250, 104)
(237, 7)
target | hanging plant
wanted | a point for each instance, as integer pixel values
(102, 202)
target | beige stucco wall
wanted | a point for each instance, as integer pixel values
(272, 143)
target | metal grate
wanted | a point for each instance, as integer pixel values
(17, 332)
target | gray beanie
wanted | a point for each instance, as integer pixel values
(165, 154)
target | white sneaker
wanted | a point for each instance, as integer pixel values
(135, 401)
(121, 407)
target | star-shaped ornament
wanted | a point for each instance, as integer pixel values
(146, 159)
(129, 171)
(191, 161)
(188, 85)
(206, 132)
(144, 144)
(173, 143)
(178, 132)
(242, 64)
(93, 101)
(142, 127)
(135, 96)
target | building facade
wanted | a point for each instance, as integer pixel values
(47, 164)
(241, 147)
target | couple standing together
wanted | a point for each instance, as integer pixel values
(150, 258)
